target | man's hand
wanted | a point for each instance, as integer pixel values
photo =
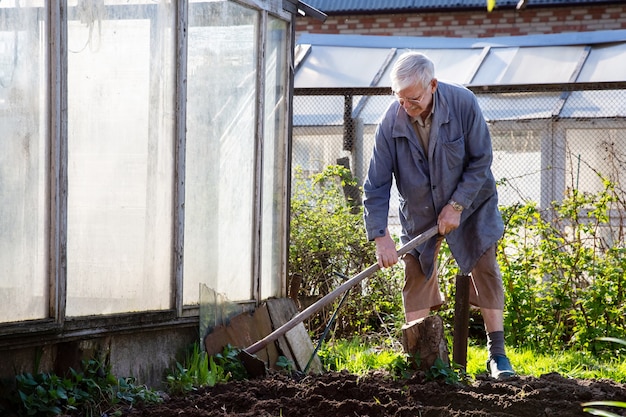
(449, 219)
(386, 254)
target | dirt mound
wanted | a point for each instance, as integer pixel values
(343, 394)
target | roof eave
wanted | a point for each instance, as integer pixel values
(403, 10)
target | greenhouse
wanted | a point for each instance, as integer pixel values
(144, 157)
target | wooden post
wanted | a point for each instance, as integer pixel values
(461, 320)
(424, 340)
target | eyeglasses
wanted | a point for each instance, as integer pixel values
(414, 100)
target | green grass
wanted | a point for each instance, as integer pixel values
(358, 358)
(581, 365)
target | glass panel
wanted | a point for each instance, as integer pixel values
(519, 106)
(456, 65)
(595, 104)
(494, 66)
(605, 63)
(23, 161)
(328, 110)
(549, 64)
(317, 147)
(373, 108)
(220, 157)
(584, 161)
(120, 96)
(318, 110)
(335, 66)
(274, 158)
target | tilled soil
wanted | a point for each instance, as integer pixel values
(339, 394)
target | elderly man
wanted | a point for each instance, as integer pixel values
(434, 141)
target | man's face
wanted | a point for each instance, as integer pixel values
(415, 99)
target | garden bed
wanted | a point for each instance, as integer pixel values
(344, 394)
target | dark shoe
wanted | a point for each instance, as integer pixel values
(499, 367)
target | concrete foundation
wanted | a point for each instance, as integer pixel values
(144, 355)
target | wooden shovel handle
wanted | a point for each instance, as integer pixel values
(328, 298)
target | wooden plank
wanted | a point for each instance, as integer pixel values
(215, 341)
(279, 314)
(302, 348)
(296, 344)
(263, 323)
(243, 330)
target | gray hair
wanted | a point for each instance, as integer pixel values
(412, 68)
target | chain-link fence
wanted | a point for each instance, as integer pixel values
(546, 138)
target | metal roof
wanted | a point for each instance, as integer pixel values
(434, 42)
(387, 6)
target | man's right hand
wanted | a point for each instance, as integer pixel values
(386, 254)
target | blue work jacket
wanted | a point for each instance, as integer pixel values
(458, 167)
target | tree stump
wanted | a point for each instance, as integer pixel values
(424, 340)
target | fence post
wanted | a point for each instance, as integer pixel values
(461, 320)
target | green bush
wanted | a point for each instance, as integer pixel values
(563, 270)
(563, 267)
(328, 245)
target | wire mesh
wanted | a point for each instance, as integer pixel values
(547, 139)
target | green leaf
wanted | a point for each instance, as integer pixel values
(603, 413)
(620, 404)
(612, 339)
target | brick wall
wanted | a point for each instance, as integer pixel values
(475, 24)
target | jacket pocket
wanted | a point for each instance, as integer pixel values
(455, 152)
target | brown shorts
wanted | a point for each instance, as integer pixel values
(485, 286)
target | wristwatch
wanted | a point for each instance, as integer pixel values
(456, 205)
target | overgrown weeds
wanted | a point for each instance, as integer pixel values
(201, 370)
(564, 273)
(328, 245)
(91, 391)
(94, 391)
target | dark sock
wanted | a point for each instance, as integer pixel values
(495, 344)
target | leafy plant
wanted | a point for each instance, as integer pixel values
(43, 393)
(228, 359)
(285, 364)
(398, 366)
(201, 370)
(93, 391)
(441, 370)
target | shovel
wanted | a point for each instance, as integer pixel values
(256, 367)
